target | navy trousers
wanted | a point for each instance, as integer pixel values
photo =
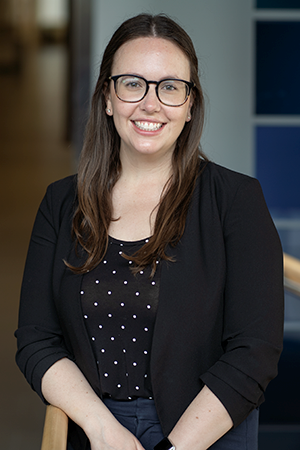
(139, 416)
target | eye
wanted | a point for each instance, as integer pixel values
(168, 86)
(132, 83)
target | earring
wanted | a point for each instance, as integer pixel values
(188, 118)
(108, 110)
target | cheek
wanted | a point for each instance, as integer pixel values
(181, 119)
(121, 117)
(122, 110)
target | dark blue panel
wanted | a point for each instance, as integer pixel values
(277, 67)
(278, 165)
(278, 4)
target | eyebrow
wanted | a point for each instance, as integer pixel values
(168, 77)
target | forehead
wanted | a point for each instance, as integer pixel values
(146, 55)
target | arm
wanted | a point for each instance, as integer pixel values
(43, 356)
(64, 386)
(252, 325)
(39, 335)
(202, 424)
(253, 305)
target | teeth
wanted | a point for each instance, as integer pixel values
(148, 126)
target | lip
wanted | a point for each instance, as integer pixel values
(148, 126)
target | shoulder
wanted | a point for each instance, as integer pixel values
(229, 190)
(63, 187)
(62, 191)
(60, 199)
(226, 178)
(226, 183)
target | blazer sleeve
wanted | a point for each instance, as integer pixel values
(39, 335)
(253, 304)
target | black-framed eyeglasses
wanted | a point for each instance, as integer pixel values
(170, 91)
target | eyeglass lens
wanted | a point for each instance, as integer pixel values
(170, 92)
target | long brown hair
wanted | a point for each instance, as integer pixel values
(100, 166)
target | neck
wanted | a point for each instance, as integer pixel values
(146, 167)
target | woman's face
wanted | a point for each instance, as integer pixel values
(149, 127)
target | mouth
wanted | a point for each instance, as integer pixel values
(147, 126)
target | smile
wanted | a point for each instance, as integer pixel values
(148, 126)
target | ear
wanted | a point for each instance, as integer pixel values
(189, 115)
(108, 109)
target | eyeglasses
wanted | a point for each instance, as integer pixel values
(170, 92)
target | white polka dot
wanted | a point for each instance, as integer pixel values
(126, 374)
(129, 262)
(106, 374)
(124, 350)
(93, 338)
(122, 304)
(100, 326)
(157, 262)
(148, 306)
(97, 281)
(145, 352)
(125, 282)
(146, 240)
(102, 350)
(95, 304)
(145, 376)
(114, 272)
(123, 327)
(137, 388)
(109, 315)
(134, 364)
(146, 329)
(134, 316)
(85, 316)
(81, 292)
(141, 272)
(112, 338)
(137, 294)
(133, 339)
(120, 253)
(104, 262)
(121, 245)
(119, 385)
(129, 398)
(150, 398)
(115, 362)
(109, 292)
(153, 283)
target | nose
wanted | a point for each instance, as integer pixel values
(150, 102)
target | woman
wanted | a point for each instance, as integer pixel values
(151, 309)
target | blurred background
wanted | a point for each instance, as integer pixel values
(50, 50)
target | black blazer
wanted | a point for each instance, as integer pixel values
(220, 315)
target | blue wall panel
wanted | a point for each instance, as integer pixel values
(278, 67)
(278, 4)
(278, 165)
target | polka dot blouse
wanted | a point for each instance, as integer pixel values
(119, 310)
